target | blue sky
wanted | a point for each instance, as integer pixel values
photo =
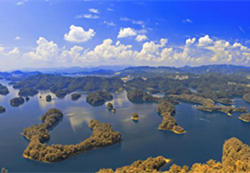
(50, 33)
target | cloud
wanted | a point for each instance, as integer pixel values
(187, 21)
(194, 51)
(21, 2)
(141, 38)
(45, 50)
(204, 41)
(126, 32)
(92, 10)
(136, 22)
(241, 29)
(110, 9)
(17, 38)
(109, 23)
(87, 16)
(78, 35)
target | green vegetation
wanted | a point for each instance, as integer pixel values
(151, 165)
(97, 98)
(70, 84)
(167, 110)
(103, 135)
(135, 95)
(24, 92)
(61, 93)
(3, 90)
(17, 101)
(75, 96)
(207, 104)
(235, 158)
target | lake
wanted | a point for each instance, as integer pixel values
(206, 133)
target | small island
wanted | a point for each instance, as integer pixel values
(110, 106)
(25, 92)
(27, 98)
(135, 116)
(3, 170)
(98, 98)
(2, 109)
(245, 117)
(48, 98)
(17, 101)
(75, 96)
(103, 135)
(3, 90)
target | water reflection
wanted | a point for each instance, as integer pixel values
(77, 117)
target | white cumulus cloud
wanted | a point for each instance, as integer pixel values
(126, 32)
(78, 35)
(204, 41)
(141, 38)
(92, 10)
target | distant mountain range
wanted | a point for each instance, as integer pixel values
(125, 70)
(224, 69)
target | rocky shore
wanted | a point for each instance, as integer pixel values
(103, 135)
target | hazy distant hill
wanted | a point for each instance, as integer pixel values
(224, 69)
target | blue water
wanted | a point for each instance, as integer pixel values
(206, 133)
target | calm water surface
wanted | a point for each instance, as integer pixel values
(206, 133)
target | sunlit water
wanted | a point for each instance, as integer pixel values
(206, 133)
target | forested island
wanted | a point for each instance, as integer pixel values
(236, 156)
(17, 101)
(103, 135)
(2, 109)
(212, 92)
(25, 92)
(98, 97)
(167, 110)
(48, 98)
(3, 90)
(75, 96)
